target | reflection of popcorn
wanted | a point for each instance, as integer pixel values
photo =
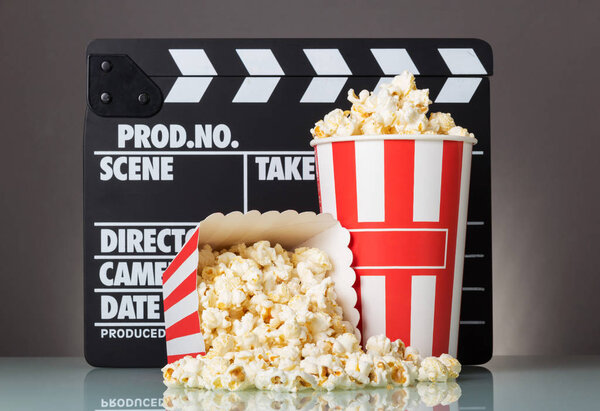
(398, 107)
(424, 394)
(438, 393)
(270, 320)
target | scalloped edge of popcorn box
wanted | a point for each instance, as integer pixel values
(289, 228)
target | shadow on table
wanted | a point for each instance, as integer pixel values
(106, 389)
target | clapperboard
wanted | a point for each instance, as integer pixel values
(178, 129)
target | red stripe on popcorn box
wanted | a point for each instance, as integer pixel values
(188, 248)
(399, 248)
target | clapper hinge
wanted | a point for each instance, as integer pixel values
(117, 87)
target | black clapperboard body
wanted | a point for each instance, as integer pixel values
(177, 129)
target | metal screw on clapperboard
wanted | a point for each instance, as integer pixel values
(106, 66)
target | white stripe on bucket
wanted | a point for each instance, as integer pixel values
(370, 180)
(188, 344)
(460, 249)
(188, 267)
(181, 309)
(422, 313)
(326, 178)
(427, 180)
(372, 300)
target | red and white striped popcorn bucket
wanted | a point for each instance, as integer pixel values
(289, 228)
(404, 200)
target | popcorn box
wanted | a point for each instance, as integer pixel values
(404, 200)
(289, 228)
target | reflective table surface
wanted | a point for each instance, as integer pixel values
(505, 383)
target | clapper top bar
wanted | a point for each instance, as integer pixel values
(303, 57)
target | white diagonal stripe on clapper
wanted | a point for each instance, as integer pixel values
(326, 178)
(260, 62)
(323, 90)
(370, 180)
(193, 62)
(188, 89)
(422, 312)
(185, 345)
(427, 180)
(394, 61)
(372, 297)
(256, 90)
(458, 90)
(462, 61)
(382, 80)
(327, 62)
(186, 306)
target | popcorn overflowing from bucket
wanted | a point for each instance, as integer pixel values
(270, 320)
(397, 107)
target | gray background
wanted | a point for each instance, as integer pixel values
(545, 144)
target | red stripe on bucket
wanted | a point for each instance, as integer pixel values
(402, 248)
(345, 182)
(399, 181)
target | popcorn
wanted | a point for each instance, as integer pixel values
(379, 345)
(412, 354)
(270, 320)
(451, 364)
(432, 369)
(398, 107)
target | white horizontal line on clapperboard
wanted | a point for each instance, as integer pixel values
(473, 288)
(472, 322)
(477, 153)
(475, 222)
(107, 224)
(133, 257)
(128, 290)
(474, 255)
(203, 153)
(129, 324)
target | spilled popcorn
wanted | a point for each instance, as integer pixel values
(398, 107)
(270, 320)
